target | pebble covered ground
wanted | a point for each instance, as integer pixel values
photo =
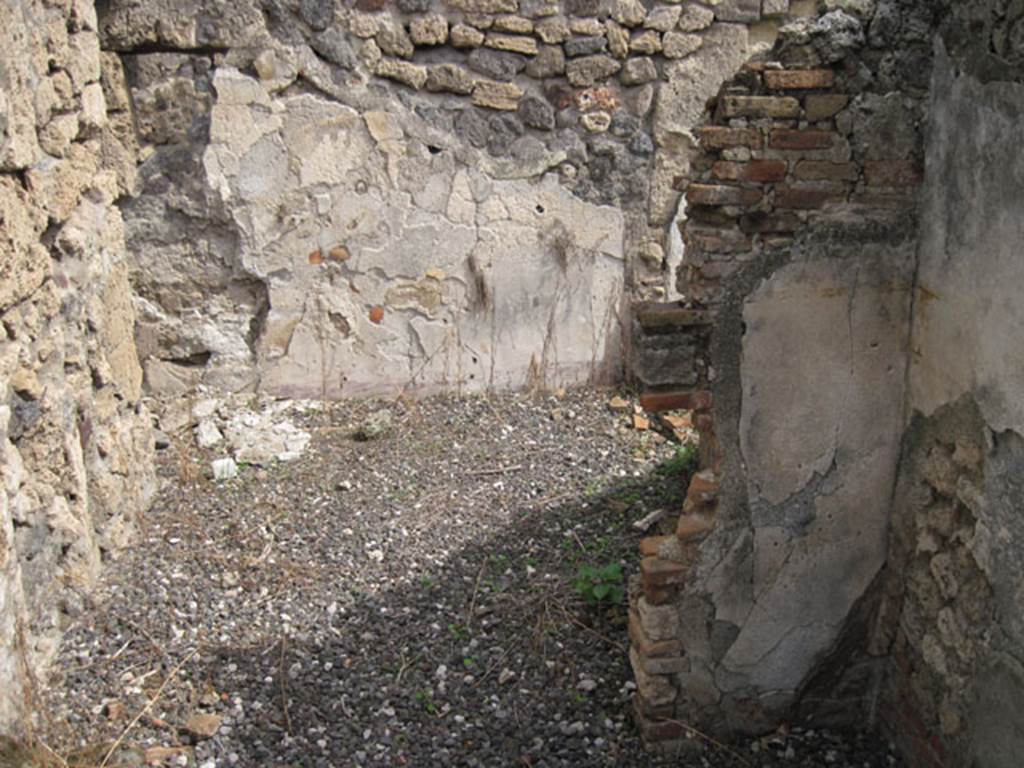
(409, 600)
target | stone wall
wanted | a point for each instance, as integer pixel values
(800, 241)
(338, 200)
(951, 621)
(851, 551)
(75, 444)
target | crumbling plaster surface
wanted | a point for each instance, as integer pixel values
(819, 435)
(461, 242)
(482, 281)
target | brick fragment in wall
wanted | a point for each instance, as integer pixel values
(718, 194)
(759, 106)
(805, 198)
(716, 241)
(719, 137)
(798, 79)
(761, 171)
(783, 138)
(656, 689)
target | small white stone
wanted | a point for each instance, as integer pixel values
(224, 469)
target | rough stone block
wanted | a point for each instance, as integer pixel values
(512, 43)
(638, 70)
(663, 18)
(450, 78)
(590, 70)
(629, 13)
(645, 43)
(553, 30)
(497, 65)
(585, 46)
(405, 72)
(695, 18)
(549, 62)
(429, 30)
(394, 41)
(465, 36)
(679, 45)
(500, 96)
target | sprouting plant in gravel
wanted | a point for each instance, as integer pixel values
(683, 463)
(427, 701)
(600, 585)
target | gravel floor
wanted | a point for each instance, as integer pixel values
(407, 601)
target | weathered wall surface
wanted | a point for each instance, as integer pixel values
(75, 447)
(951, 619)
(340, 200)
(800, 239)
